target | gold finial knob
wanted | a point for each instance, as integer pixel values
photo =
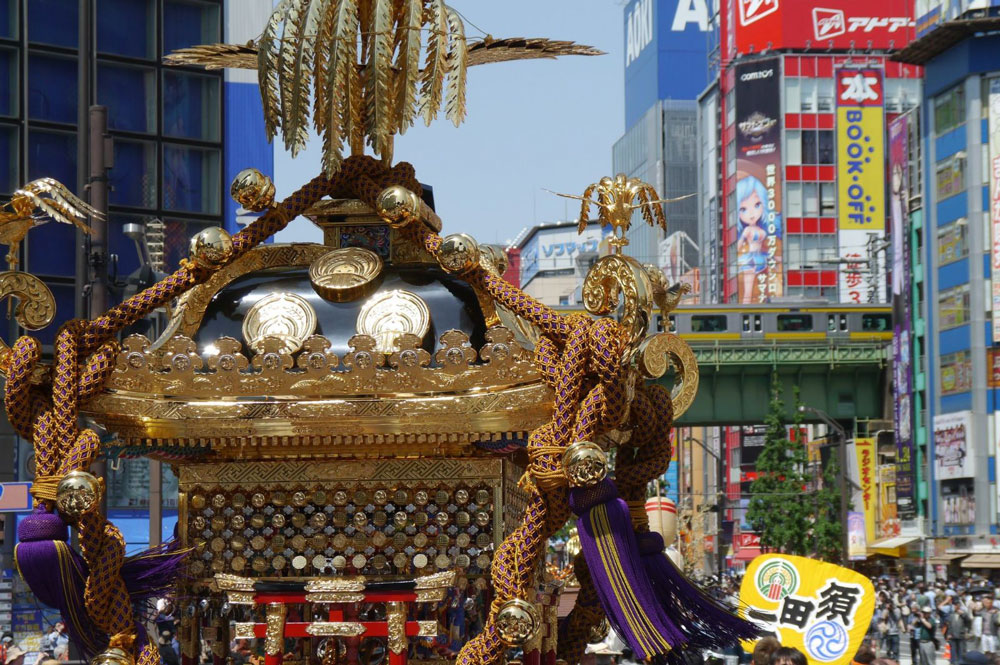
(517, 622)
(77, 494)
(113, 656)
(211, 248)
(458, 252)
(398, 206)
(253, 190)
(585, 464)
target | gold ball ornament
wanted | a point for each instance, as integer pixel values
(77, 494)
(398, 206)
(211, 247)
(599, 632)
(458, 252)
(113, 656)
(253, 190)
(517, 622)
(585, 464)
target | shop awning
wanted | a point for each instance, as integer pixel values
(944, 559)
(893, 543)
(747, 554)
(982, 561)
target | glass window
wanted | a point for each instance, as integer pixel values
(8, 82)
(793, 195)
(825, 146)
(953, 242)
(808, 101)
(876, 322)
(949, 109)
(703, 323)
(124, 247)
(191, 106)
(129, 92)
(9, 151)
(793, 251)
(950, 175)
(8, 19)
(176, 238)
(827, 199)
(793, 95)
(188, 22)
(793, 146)
(953, 306)
(810, 199)
(53, 22)
(795, 322)
(125, 27)
(824, 95)
(52, 154)
(52, 88)
(809, 155)
(191, 179)
(133, 178)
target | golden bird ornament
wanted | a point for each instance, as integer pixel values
(616, 198)
(34, 204)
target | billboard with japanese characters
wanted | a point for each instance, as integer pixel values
(864, 448)
(821, 609)
(860, 181)
(953, 446)
(558, 247)
(759, 185)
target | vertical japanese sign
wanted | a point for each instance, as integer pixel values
(759, 187)
(821, 609)
(857, 543)
(864, 448)
(994, 140)
(953, 449)
(899, 198)
(860, 180)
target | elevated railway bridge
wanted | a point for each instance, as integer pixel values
(838, 355)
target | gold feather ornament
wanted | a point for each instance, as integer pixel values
(359, 62)
(32, 205)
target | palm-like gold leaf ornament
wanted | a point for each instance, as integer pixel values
(35, 203)
(616, 198)
(359, 64)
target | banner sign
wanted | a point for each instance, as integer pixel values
(759, 181)
(860, 178)
(819, 608)
(899, 198)
(994, 146)
(857, 543)
(864, 448)
(953, 451)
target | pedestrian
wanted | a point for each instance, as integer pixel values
(924, 625)
(788, 656)
(15, 656)
(864, 656)
(957, 625)
(168, 656)
(990, 618)
(57, 642)
(892, 620)
(6, 642)
(763, 650)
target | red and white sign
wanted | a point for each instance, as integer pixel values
(745, 541)
(842, 24)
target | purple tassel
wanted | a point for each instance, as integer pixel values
(706, 623)
(43, 548)
(608, 543)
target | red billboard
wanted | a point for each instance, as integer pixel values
(759, 25)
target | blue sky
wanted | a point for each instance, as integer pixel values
(531, 126)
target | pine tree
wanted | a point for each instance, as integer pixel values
(828, 525)
(780, 510)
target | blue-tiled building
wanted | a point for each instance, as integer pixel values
(953, 243)
(179, 136)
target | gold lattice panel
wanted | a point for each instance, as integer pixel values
(390, 517)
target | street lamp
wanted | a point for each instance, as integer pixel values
(842, 436)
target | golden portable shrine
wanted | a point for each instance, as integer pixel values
(374, 436)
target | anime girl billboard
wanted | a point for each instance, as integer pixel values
(757, 203)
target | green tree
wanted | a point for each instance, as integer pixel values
(780, 509)
(828, 524)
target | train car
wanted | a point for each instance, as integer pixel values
(806, 322)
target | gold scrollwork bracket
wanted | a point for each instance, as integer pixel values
(657, 353)
(621, 280)
(36, 306)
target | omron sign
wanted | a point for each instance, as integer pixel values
(665, 52)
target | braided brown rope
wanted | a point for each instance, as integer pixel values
(84, 357)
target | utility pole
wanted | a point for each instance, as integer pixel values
(844, 486)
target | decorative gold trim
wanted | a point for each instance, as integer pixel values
(244, 630)
(427, 629)
(274, 638)
(431, 595)
(335, 629)
(395, 617)
(241, 597)
(228, 582)
(391, 314)
(346, 274)
(657, 353)
(287, 317)
(334, 597)
(437, 580)
(336, 584)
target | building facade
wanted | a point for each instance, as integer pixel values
(178, 135)
(956, 255)
(554, 258)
